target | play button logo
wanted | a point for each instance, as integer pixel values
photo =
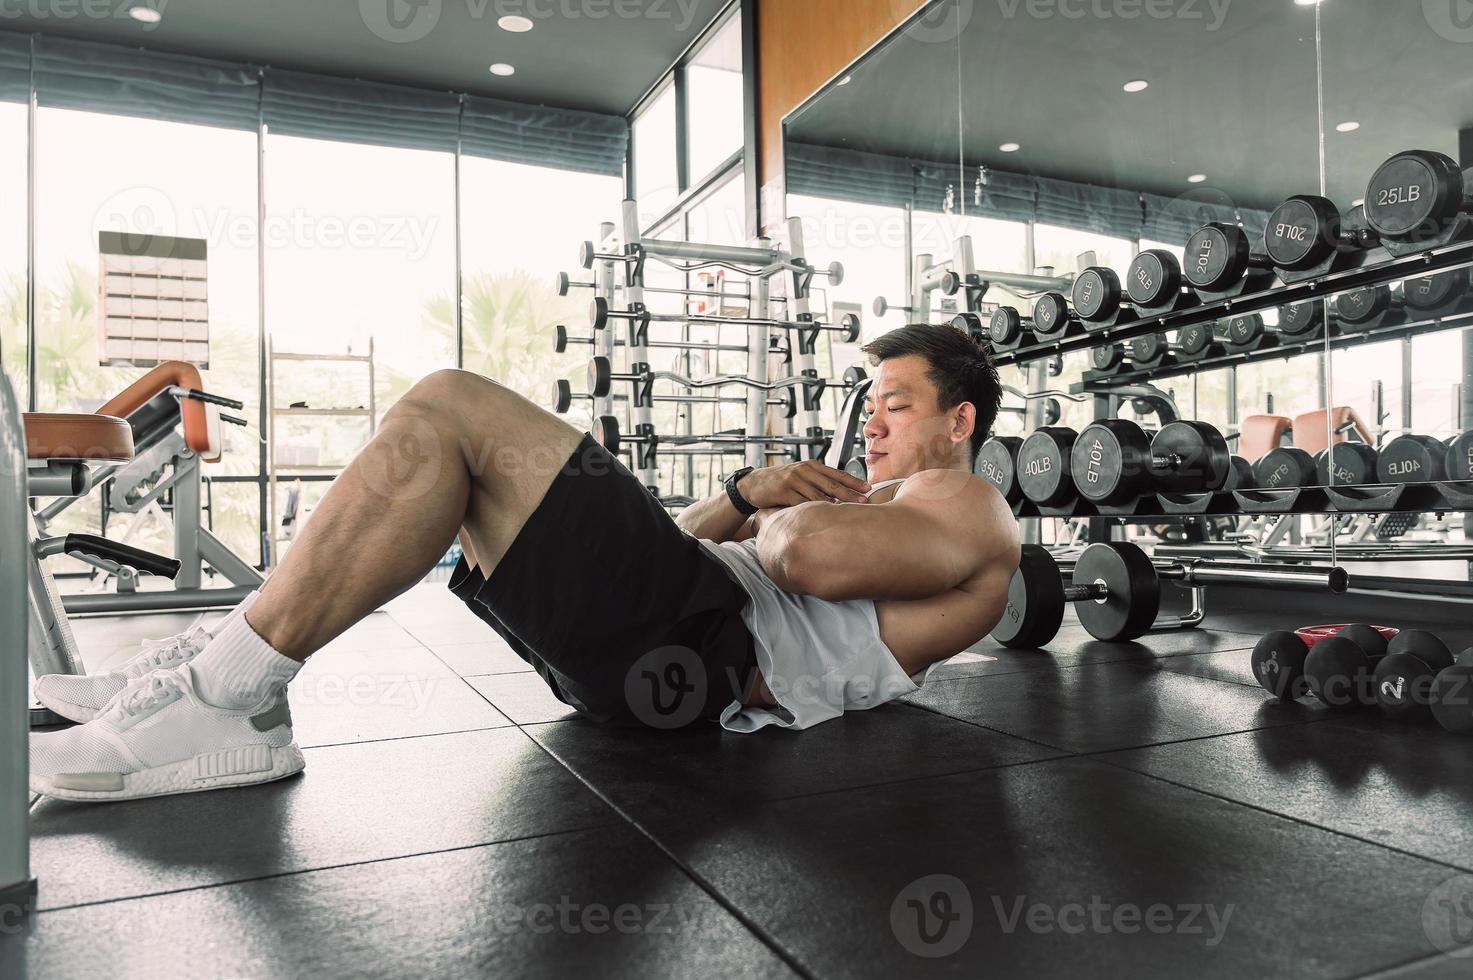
(400, 21)
(1451, 19)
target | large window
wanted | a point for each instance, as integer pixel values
(513, 247)
(178, 180)
(656, 167)
(692, 124)
(713, 101)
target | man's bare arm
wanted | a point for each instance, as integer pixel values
(940, 530)
(717, 519)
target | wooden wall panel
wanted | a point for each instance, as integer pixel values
(801, 44)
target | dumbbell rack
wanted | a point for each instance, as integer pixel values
(777, 275)
(1424, 263)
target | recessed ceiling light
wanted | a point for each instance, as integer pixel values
(1196, 178)
(1137, 85)
(515, 23)
(1349, 126)
(145, 15)
(1305, 3)
(502, 69)
(1010, 148)
(846, 79)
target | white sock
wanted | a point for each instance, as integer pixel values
(236, 613)
(238, 669)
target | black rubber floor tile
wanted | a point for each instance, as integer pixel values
(1058, 869)
(645, 772)
(1098, 707)
(353, 803)
(1229, 666)
(1406, 786)
(491, 656)
(598, 903)
(524, 697)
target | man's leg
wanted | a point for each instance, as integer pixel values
(457, 453)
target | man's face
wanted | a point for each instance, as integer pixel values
(905, 432)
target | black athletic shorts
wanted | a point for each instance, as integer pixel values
(622, 613)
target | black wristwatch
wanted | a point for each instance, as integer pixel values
(735, 496)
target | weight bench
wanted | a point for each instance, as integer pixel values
(175, 426)
(1258, 435)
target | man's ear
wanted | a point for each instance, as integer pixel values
(965, 422)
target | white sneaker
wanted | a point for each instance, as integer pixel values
(157, 738)
(81, 697)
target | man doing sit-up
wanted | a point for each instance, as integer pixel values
(797, 593)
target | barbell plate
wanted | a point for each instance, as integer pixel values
(1035, 607)
(1134, 591)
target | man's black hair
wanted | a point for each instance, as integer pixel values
(961, 369)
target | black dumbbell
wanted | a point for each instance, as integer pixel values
(1354, 464)
(1008, 329)
(1150, 350)
(1278, 664)
(1115, 461)
(853, 375)
(1219, 257)
(1412, 459)
(1197, 342)
(1114, 584)
(1438, 291)
(1452, 695)
(1043, 466)
(1154, 280)
(1303, 321)
(1416, 197)
(1052, 318)
(1459, 460)
(1367, 307)
(1109, 358)
(997, 463)
(970, 324)
(1306, 235)
(1340, 669)
(1247, 331)
(1403, 679)
(1285, 468)
(1097, 295)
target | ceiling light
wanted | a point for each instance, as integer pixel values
(515, 23)
(1010, 148)
(145, 15)
(1305, 3)
(1349, 126)
(1137, 85)
(502, 69)
(1196, 178)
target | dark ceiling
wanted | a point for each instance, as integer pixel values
(600, 55)
(1231, 96)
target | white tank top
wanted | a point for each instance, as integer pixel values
(819, 658)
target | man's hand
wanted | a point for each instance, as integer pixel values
(797, 483)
